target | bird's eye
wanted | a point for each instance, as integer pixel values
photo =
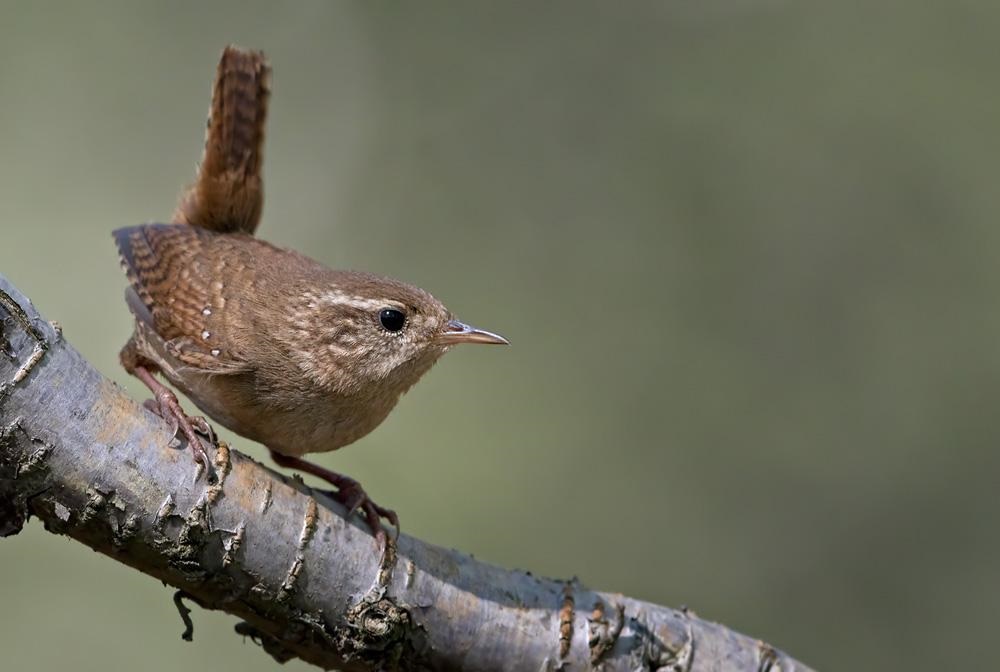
(391, 319)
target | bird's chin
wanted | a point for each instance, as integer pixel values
(407, 373)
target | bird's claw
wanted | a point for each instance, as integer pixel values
(354, 497)
(349, 493)
(157, 410)
(167, 407)
(200, 425)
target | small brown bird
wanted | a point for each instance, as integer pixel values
(266, 341)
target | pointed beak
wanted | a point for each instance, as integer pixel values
(459, 332)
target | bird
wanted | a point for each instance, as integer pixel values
(266, 341)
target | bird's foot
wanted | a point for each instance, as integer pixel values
(165, 405)
(349, 493)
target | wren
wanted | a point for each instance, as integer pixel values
(264, 340)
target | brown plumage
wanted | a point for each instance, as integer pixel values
(228, 192)
(271, 343)
(266, 341)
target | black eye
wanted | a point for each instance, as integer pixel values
(392, 319)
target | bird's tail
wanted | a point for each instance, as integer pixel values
(228, 192)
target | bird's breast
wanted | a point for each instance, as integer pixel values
(314, 423)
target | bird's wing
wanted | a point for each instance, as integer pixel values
(177, 280)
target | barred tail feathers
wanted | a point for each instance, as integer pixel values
(227, 195)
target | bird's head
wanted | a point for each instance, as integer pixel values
(377, 333)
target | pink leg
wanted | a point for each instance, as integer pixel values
(349, 493)
(170, 410)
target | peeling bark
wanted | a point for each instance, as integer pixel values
(93, 465)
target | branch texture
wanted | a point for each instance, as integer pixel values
(93, 465)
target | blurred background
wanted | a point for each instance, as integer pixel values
(746, 252)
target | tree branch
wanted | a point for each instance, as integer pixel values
(93, 465)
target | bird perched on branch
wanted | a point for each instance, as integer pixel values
(264, 340)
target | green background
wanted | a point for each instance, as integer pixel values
(746, 253)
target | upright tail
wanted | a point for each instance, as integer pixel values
(228, 193)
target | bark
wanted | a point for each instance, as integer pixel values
(93, 465)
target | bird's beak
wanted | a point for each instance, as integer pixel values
(459, 332)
